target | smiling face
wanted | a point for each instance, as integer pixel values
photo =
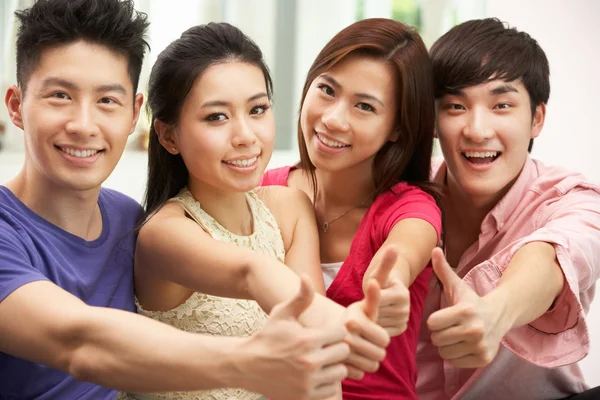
(77, 113)
(484, 133)
(226, 129)
(348, 113)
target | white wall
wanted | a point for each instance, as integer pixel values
(8, 69)
(569, 33)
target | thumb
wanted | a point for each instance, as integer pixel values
(386, 263)
(372, 299)
(295, 306)
(453, 285)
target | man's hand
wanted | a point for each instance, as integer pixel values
(289, 362)
(467, 332)
(394, 307)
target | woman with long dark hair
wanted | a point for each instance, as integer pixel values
(210, 257)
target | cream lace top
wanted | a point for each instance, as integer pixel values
(219, 316)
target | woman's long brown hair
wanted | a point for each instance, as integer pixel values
(407, 159)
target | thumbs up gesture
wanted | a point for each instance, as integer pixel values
(367, 340)
(394, 304)
(293, 362)
(466, 332)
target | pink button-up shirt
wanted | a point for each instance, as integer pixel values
(539, 360)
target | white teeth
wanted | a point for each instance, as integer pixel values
(331, 143)
(481, 154)
(79, 153)
(243, 163)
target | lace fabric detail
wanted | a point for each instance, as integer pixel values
(219, 316)
(266, 237)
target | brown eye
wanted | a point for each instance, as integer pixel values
(365, 107)
(261, 109)
(215, 117)
(60, 95)
(326, 89)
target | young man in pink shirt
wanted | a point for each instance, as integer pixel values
(506, 316)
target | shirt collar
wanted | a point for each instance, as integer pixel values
(507, 204)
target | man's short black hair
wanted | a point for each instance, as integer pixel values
(114, 24)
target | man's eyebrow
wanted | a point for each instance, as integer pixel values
(456, 92)
(114, 87)
(506, 88)
(54, 81)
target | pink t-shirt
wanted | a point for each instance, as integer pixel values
(397, 375)
(539, 360)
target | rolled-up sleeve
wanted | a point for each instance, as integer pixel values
(560, 336)
(572, 225)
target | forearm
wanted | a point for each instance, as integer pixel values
(413, 240)
(528, 287)
(270, 282)
(114, 348)
(402, 271)
(134, 353)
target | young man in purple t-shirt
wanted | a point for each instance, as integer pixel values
(67, 245)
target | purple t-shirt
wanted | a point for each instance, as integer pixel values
(99, 272)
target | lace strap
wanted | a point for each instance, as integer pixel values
(268, 224)
(261, 211)
(192, 208)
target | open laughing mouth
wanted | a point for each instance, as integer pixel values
(481, 157)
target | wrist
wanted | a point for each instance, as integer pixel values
(322, 312)
(235, 364)
(401, 271)
(263, 281)
(503, 316)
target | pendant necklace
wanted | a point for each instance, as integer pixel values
(326, 224)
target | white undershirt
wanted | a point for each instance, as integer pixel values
(330, 270)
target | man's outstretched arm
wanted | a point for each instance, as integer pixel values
(45, 324)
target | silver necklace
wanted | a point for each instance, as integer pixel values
(326, 224)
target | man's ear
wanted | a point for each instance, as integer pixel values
(539, 117)
(166, 136)
(14, 102)
(137, 107)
